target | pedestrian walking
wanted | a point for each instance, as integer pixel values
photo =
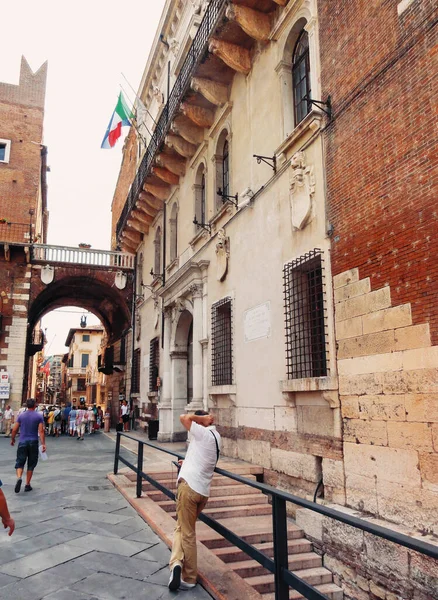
(51, 421)
(31, 425)
(8, 418)
(124, 413)
(81, 421)
(194, 480)
(57, 420)
(91, 417)
(72, 421)
(6, 518)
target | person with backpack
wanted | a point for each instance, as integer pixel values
(81, 421)
(72, 421)
(194, 480)
(57, 416)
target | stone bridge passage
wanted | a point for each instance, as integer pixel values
(76, 537)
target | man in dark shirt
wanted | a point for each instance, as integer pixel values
(31, 424)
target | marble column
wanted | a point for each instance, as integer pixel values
(197, 401)
(165, 406)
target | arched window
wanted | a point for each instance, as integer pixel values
(225, 169)
(222, 158)
(200, 195)
(157, 242)
(174, 232)
(140, 274)
(301, 77)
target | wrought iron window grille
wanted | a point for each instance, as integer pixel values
(135, 377)
(154, 364)
(305, 316)
(222, 342)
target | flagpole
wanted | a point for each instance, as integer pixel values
(136, 95)
(132, 121)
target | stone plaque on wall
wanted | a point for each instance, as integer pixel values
(257, 322)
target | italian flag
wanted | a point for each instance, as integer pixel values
(119, 119)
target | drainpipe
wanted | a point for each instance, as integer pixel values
(44, 211)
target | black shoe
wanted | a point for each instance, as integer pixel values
(27, 487)
(175, 578)
(18, 485)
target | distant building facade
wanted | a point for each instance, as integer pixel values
(84, 346)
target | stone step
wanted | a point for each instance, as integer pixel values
(170, 482)
(249, 472)
(238, 511)
(251, 568)
(216, 492)
(254, 530)
(331, 590)
(223, 502)
(265, 584)
(233, 554)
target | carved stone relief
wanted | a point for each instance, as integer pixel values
(222, 255)
(302, 190)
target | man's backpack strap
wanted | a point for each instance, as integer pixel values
(217, 445)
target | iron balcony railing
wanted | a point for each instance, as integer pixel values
(214, 12)
(279, 564)
(82, 256)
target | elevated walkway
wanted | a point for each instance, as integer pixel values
(224, 570)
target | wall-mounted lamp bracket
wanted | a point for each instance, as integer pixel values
(267, 160)
(205, 226)
(226, 198)
(148, 287)
(321, 104)
(157, 275)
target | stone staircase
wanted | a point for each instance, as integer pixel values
(247, 512)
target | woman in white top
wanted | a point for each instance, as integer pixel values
(91, 420)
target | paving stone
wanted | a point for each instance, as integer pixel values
(43, 560)
(108, 544)
(6, 580)
(69, 595)
(113, 587)
(40, 542)
(99, 517)
(144, 535)
(111, 563)
(158, 553)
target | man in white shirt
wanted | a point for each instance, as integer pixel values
(8, 418)
(194, 481)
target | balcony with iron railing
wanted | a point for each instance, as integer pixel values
(209, 23)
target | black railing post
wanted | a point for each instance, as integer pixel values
(279, 525)
(139, 468)
(116, 456)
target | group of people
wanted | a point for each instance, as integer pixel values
(73, 420)
(194, 477)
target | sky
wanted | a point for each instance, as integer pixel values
(88, 45)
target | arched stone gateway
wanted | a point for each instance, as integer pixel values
(99, 281)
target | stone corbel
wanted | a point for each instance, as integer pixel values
(223, 394)
(213, 91)
(187, 130)
(181, 146)
(141, 217)
(159, 191)
(332, 398)
(27, 253)
(7, 251)
(138, 226)
(145, 207)
(281, 2)
(132, 236)
(202, 117)
(151, 200)
(253, 22)
(236, 57)
(165, 175)
(173, 163)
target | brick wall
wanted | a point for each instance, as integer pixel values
(381, 155)
(127, 173)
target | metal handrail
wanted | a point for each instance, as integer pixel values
(214, 12)
(279, 565)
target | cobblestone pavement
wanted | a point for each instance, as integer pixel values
(76, 538)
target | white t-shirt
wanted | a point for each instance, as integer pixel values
(200, 460)
(8, 414)
(124, 409)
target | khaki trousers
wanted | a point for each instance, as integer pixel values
(188, 506)
(7, 427)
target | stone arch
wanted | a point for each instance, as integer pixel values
(102, 298)
(182, 358)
